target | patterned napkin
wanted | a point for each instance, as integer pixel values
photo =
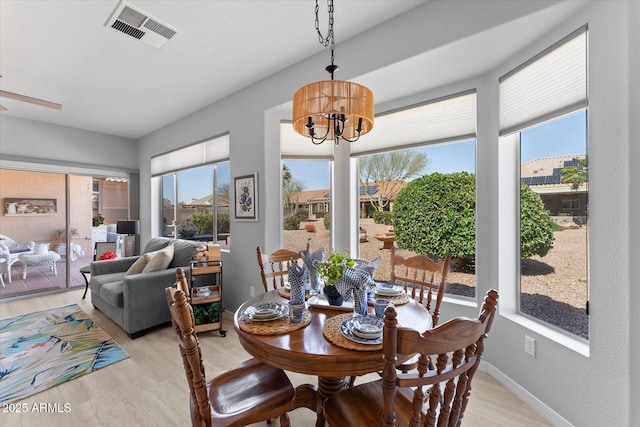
(368, 266)
(310, 260)
(355, 283)
(297, 280)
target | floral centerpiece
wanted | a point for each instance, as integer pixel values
(351, 278)
(330, 271)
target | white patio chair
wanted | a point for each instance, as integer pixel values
(9, 251)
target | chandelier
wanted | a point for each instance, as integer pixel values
(332, 109)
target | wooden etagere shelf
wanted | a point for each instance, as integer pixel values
(207, 309)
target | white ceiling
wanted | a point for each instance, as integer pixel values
(61, 51)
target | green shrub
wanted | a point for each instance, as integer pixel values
(378, 217)
(291, 222)
(382, 217)
(435, 215)
(556, 226)
(302, 214)
(536, 226)
(327, 221)
(203, 222)
(387, 218)
(223, 222)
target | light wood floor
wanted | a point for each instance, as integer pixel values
(149, 388)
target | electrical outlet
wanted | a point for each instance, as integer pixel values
(530, 346)
(252, 291)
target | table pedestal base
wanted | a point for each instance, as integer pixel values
(327, 386)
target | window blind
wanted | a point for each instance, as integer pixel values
(444, 119)
(204, 152)
(296, 146)
(551, 84)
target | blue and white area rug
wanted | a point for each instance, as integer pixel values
(47, 348)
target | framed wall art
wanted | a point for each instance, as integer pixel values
(246, 197)
(23, 206)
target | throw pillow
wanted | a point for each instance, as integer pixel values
(139, 265)
(160, 260)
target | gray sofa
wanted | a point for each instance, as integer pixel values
(137, 302)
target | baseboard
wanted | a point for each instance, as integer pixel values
(537, 405)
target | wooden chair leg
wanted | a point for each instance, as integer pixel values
(352, 381)
(284, 420)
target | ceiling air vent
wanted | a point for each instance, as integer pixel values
(139, 25)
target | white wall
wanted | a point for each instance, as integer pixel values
(22, 138)
(594, 390)
(633, 194)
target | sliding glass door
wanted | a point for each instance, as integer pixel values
(49, 225)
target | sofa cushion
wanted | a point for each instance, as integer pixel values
(156, 243)
(138, 266)
(113, 293)
(19, 251)
(99, 280)
(184, 251)
(160, 260)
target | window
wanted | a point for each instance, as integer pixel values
(553, 283)
(570, 206)
(306, 192)
(397, 151)
(306, 199)
(420, 140)
(195, 191)
(543, 118)
(203, 200)
(382, 176)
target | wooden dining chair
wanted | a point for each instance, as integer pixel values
(422, 277)
(251, 393)
(274, 267)
(401, 399)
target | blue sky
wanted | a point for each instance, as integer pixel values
(567, 135)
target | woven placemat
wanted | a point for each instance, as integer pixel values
(274, 327)
(403, 298)
(286, 293)
(331, 331)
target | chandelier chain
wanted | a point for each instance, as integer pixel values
(329, 39)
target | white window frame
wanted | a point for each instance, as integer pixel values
(512, 122)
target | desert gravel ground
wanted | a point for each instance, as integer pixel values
(554, 288)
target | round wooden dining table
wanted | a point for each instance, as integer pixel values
(307, 351)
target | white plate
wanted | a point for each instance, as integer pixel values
(365, 336)
(353, 324)
(387, 289)
(266, 311)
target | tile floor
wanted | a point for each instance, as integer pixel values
(42, 279)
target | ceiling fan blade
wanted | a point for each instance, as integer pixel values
(36, 101)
